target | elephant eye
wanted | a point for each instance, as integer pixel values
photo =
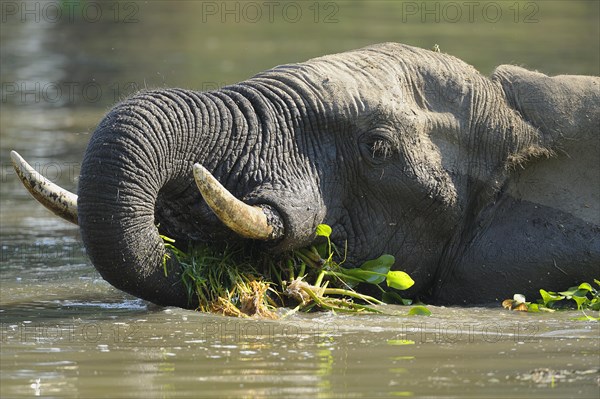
(381, 149)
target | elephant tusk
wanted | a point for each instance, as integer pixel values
(246, 220)
(60, 201)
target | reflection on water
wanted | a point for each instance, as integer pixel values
(84, 348)
(66, 332)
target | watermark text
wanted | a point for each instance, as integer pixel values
(69, 11)
(469, 11)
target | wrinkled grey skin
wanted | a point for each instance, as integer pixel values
(481, 188)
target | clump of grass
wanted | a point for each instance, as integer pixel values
(238, 282)
(224, 281)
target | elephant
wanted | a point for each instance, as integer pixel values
(480, 187)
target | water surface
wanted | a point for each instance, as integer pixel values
(66, 333)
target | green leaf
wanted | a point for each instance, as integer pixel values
(380, 265)
(542, 308)
(323, 230)
(533, 307)
(391, 297)
(349, 280)
(400, 342)
(570, 292)
(399, 280)
(587, 318)
(363, 276)
(322, 249)
(585, 286)
(372, 271)
(549, 297)
(419, 310)
(581, 300)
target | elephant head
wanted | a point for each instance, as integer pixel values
(401, 150)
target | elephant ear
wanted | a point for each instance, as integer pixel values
(562, 108)
(565, 110)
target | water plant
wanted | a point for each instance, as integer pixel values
(248, 282)
(584, 296)
(223, 280)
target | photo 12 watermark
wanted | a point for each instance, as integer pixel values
(22, 92)
(70, 332)
(209, 332)
(467, 332)
(289, 333)
(54, 171)
(470, 11)
(67, 252)
(91, 92)
(269, 12)
(69, 11)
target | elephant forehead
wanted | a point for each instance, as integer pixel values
(335, 86)
(381, 75)
(356, 82)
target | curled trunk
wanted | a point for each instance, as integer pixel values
(127, 162)
(137, 178)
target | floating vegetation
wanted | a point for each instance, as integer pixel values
(247, 283)
(585, 296)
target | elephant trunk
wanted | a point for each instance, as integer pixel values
(129, 159)
(137, 177)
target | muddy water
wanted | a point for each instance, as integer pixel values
(75, 336)
(66, 333)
